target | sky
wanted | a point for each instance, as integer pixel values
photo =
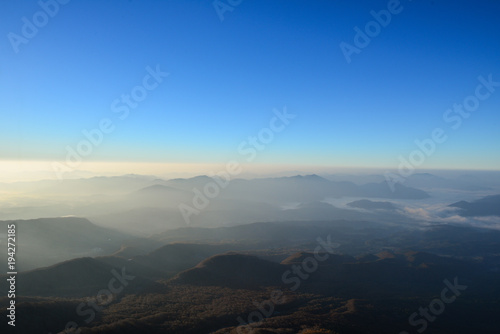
(183, 83)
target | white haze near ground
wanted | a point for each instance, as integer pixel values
(434, 209)
(431, 210)
(127, 204)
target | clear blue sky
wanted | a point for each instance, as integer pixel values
(226, 77)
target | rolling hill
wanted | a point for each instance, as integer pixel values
(46, 241)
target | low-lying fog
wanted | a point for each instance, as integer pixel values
(144, 205)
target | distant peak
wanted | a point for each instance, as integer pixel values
(308, 177)
(198, 177)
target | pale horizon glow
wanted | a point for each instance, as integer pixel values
(35, 170)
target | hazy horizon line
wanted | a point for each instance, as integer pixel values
(37, 170)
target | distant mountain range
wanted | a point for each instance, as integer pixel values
(430, 181)
(246, 201)
(283, 189)
(486, 206)
(467, 182)
(123, 202)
